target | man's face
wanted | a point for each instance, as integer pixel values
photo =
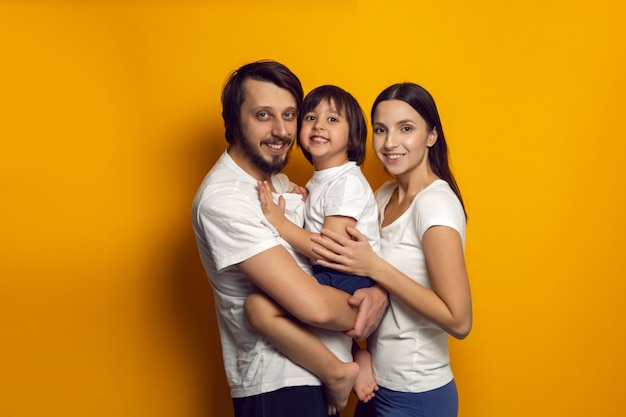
(268, 125)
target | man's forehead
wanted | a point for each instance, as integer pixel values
(267, 94)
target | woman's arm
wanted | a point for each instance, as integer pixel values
(448, 304)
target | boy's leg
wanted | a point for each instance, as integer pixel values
(365, 386)
(303, 347)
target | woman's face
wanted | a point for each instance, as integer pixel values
(401, 137)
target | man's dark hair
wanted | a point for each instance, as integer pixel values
(233, 94)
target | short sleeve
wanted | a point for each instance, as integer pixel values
(439, 206)
(235, 229)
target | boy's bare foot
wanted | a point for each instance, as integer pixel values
(338, 388)
(365, 386)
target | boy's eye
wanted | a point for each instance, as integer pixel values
(309, 117)
(333, 119)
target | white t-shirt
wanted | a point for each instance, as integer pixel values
(342, 191)
(410, 353)
(230, 227)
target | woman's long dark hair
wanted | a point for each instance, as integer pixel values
(423, 103)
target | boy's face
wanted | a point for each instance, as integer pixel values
(325, 134)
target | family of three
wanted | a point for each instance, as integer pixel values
(298, 273)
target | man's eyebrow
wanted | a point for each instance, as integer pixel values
(257, 108)
(272, 108)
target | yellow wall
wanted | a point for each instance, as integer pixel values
(109, 118)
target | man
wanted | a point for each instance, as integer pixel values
(241, 251)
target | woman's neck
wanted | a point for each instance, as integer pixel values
(411, 184)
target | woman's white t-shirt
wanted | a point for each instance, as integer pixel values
(409, 352)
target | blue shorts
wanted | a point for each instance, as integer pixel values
(440, 402)
(342, 281)
(304, 401)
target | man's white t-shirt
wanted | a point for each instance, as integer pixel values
(230, 227)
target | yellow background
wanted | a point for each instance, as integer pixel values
(110, 117)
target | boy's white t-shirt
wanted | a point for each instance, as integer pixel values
(342, 191)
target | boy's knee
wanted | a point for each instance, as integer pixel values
(249, 304)
(252, 307)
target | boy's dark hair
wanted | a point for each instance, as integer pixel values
(346, 105)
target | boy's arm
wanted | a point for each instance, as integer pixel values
(295, 235)
(300, 239)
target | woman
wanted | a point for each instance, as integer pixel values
(421, 262)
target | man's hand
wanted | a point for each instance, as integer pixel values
(372, 303)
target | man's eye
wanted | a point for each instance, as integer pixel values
(263, 115)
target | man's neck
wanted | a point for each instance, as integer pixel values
(242, 160)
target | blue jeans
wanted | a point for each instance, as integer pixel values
(440, 402)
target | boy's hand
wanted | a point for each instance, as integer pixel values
(274, 213)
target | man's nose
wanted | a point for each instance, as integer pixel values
(279, 128)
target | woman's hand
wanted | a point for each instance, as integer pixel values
(353, 256)
(274, 213)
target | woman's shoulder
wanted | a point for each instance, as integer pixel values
(438, 189)
(438, 200)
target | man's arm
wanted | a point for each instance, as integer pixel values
(276, 273)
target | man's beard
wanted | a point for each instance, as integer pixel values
(276, 162)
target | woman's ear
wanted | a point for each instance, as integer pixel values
(432, 137)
